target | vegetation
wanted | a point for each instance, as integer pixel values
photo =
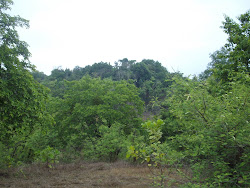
(134, 111)
(22, 99)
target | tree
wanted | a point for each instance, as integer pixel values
(92, 102)
(78, 73)
(141, 73)
(39, 76)
(212, 132)
(103, 70)
(122, 69)
(208, 120)
(238, 41)
(22, 99)
(152, 80)
(234, 57)
(58, 74)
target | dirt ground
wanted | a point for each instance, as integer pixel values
(83, 174)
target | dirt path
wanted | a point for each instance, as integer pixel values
(106, 175)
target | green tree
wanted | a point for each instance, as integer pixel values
(234, 57)
(39, 76)
(57, 74)
(151, 77)
(111, 143)
(238, 41)
(103, 70)
(207, 121)
(22, 99)
(211, 131)
(122, 69)
(92, 102)
(78, 73)
(141, 73)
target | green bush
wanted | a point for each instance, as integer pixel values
(213, 131)
(49, 156)
(157, 155)
(111, 144)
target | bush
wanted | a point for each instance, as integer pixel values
(49, 156)
(213, 131)
(109, 146)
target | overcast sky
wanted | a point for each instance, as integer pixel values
(180, 34)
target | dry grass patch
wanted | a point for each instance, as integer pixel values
(82, 174)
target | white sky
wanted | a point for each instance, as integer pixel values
(180, 34)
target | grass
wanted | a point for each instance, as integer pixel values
(82, 174)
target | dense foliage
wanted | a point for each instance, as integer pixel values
(90, 103)
(211, 131)
(148, 75)
(22, 99)
(135, 109)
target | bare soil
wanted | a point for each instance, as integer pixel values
(83, 174)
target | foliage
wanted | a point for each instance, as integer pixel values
(22, 99)
(148, 75)
(208, 119)
(103, 70)
(234, 56)
(148, 150)
(4, 162)
(111, 143)
(49, 156)
(238, 41)
(96, 111)
(156, 154)
(91, 102)
(213, 132)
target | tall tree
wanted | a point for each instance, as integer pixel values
(238, 41)
(234, 57)
(21, 97)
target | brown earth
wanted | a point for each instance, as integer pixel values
(83, 174)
